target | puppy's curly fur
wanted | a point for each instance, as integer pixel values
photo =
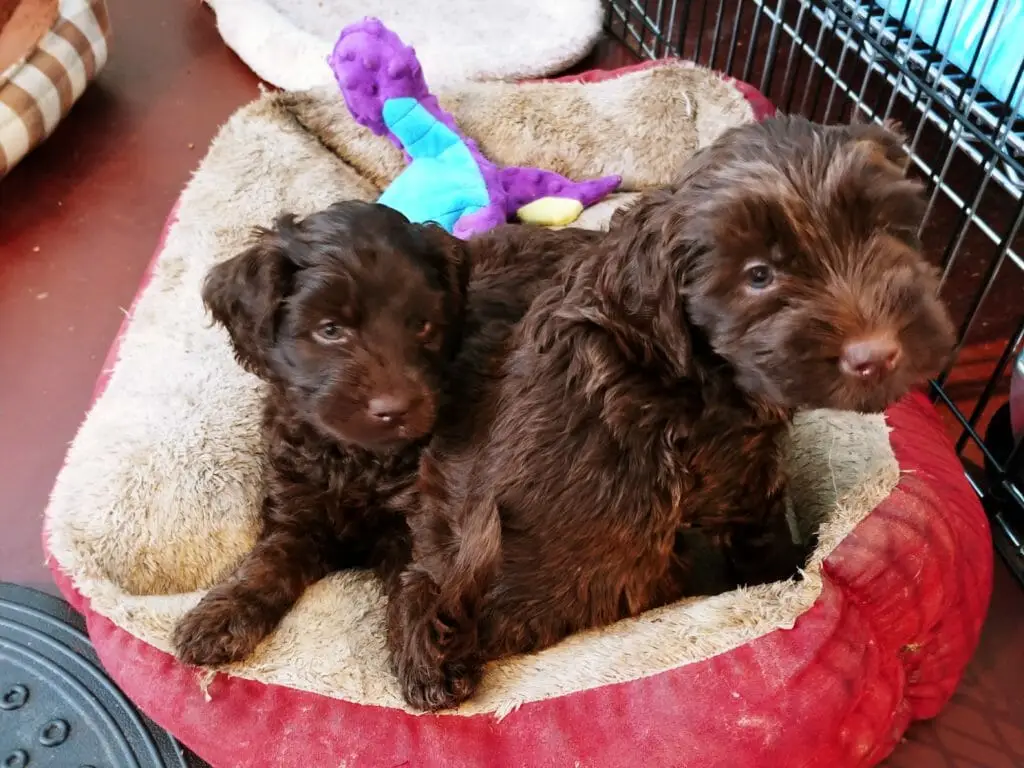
(359, 321)
(647, 395)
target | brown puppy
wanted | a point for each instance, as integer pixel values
(357, 319)
(648, 393)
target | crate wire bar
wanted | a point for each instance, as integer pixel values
(935, 67)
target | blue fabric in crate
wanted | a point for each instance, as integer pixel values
(964, 34)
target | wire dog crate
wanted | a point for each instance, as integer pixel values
(952, 73)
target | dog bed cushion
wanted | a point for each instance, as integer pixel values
(44, 81)
(286, 42)
(160, 492)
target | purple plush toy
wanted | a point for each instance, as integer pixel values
(447, 181)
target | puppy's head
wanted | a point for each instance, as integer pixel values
(798, 262)
(354, 312)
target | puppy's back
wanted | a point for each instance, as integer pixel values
(511, 266)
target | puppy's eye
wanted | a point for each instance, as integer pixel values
(425, 330)
(330, 333)
(759, 276)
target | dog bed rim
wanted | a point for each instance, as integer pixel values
(54, 72)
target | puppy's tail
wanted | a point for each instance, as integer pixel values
(478, 555)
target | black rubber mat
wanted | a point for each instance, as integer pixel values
(57, 706)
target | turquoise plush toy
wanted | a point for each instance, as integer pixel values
(443, 182)
(447, 181)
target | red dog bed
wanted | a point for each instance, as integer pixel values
(893, 614)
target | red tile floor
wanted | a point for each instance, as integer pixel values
(78, 221)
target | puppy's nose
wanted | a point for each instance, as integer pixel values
(870, 357)
(389, 409)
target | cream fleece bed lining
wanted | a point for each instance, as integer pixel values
(159, 495)
(286, 42)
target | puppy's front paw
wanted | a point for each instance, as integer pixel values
(219, 631)
(432, 688)
(437, 671)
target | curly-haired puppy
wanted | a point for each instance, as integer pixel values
(647, 395)
(357, 319)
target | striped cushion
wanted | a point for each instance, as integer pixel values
(37, 92)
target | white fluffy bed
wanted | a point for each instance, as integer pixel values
(286, 42)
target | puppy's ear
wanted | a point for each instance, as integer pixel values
(457, 266)
(882, 145)
(875, 170)
(633, 291)
(244, 294)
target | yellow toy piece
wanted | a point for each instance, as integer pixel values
(550, 211)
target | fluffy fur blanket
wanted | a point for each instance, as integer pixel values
(159, 495)
(286, 42)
